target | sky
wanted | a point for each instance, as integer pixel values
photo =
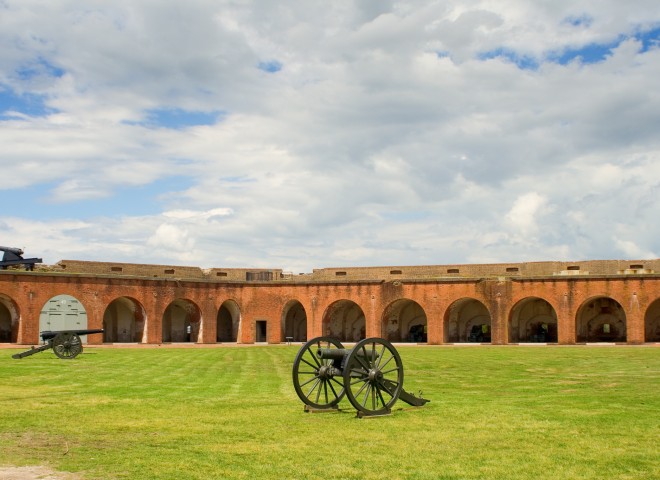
(308, 134)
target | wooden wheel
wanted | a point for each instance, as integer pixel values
(373, 376)
(67, 345)
(318, 382)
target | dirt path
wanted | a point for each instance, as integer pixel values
(34, 473)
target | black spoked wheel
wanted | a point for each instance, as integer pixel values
(67, 345)
(318, 382)
(373, 376)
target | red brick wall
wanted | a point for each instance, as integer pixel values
(266, 300)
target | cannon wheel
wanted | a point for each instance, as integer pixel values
(373, 376)
(313, 378)
(67, 345)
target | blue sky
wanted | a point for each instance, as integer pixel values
(302, 135)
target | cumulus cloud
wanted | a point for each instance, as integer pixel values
(303, 134)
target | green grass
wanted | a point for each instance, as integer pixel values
(495, 413)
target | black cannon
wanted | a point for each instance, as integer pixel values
(14, 256)
(370, 375)
(65, 343)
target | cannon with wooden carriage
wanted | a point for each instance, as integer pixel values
(370, 375)
(65, 343)
(14, 256)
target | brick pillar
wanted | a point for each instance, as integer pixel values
(500, 304)
(154, 324)
(435, 322)
(634, 321)
(209, 324)
(566, 320)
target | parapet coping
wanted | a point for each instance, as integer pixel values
(344, 281)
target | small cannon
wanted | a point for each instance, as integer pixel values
(65, 343)
(370, 375)
(14, 256)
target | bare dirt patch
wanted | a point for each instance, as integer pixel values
(34, 473)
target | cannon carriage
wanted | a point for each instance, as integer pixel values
(66, 344)
(370, 375)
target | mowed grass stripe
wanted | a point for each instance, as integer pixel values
(495, 412)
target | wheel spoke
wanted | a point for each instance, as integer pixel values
(380, 357)
(309, 381)
(337, 382)
(333, 388)
(318, 393)
(386, 387)
(388, 361)
(316, 360)
(380, 395)
(361, 362)
(318, 380)
(360, 390)
(366, 395)
(315, 367)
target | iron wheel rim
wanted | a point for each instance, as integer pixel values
(313, 380)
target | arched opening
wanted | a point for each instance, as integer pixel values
(181, 322)
(8, 320)
(652, 323)
(467, 320)
(405, 321)
(228, 322)
(344, 320)
(63, 312)
(533, 320)
(601, 319)
(123, 321)
(294, 322)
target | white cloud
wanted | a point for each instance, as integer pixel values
(385, 138)
(525, 213)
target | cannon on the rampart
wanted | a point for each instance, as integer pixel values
(370, 375)
(14, 256)
(65, 343)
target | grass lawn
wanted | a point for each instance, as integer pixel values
(211, 413)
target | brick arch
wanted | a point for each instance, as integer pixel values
(652, 322)
(294, 321)
(9, 320)
(533, 319)
(600, 319)
(124, 320)
(228, 322)
(462, 316)
(345, 320)
(181, 321)
(404, 320)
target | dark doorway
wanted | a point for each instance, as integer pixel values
(261, 331)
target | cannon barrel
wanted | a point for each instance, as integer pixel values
(48, 334)
(341, 353)
(15, 251)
